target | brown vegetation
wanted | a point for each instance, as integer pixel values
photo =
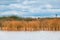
(33, 25)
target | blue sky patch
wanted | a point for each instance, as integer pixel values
(30, 7)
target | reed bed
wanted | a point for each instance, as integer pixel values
(33, 25)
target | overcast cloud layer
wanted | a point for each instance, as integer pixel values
(30, 7)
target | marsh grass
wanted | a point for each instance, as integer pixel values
(14, 23)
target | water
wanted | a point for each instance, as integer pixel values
(38, 35)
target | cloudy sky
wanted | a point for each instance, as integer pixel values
(32, 8)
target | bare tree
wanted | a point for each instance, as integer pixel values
(56, 15)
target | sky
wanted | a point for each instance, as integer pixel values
(32, 8)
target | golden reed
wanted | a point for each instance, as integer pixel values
(34, 25)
